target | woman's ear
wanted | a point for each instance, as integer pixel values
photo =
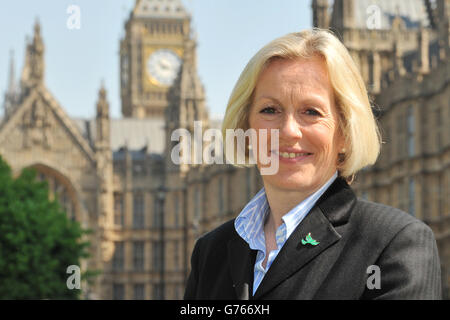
(342, 150)
(341, 143)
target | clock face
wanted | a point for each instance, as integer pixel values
(163, 66)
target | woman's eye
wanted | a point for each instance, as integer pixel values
(312, 112)
(269, 110)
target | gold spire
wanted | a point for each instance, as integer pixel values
(34, 66)
(102, 103)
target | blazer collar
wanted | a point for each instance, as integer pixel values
(331, 210)
(336, 203)
(242, 260)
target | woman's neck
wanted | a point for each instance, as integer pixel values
(281, 202)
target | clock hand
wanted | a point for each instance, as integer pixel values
(164, 65)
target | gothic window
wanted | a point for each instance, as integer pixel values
(118, 257)
(138, 211)
(138, 168)
(138, 255)
(157, 219)
(41, 176)
(59, 189)
(176, 211)
(119, 166)
(157, 256)
(118, 291)
(67, 203)
(176, 256)
(118, 209)
(139, 291)
(157, 291)
(55, 187)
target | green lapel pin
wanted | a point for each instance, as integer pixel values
(310, 240)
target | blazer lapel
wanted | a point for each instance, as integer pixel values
(332, 208)
(242, 261)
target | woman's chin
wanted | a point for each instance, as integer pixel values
(290, 183)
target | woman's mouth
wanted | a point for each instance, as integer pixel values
(291, 157)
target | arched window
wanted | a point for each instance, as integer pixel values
(59, 187)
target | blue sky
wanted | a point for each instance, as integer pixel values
(229, 33)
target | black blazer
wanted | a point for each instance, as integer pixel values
(353, 234)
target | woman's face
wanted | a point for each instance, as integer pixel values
(296, 97)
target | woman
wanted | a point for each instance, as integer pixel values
(305, 235)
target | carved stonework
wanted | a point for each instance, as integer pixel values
(36, 56)
(36, 126)
(107, 248)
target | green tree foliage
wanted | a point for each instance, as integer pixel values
(37, 240)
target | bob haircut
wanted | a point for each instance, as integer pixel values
(356, 120)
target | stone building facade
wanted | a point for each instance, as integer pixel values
(116, 176)
(403, 51)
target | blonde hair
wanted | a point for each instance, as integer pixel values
(357, 122)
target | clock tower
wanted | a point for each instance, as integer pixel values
(151, 55)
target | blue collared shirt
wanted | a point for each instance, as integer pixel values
(250, 227)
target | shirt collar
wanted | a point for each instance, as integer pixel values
(250, 222)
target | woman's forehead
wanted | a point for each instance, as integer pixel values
(299, 69)
(302, 75)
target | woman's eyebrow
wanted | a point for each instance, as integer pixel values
(314, 96)
(268, 98)
(307, 98)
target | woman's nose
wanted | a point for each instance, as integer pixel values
(290, 128)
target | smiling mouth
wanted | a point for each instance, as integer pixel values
(292, 155)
